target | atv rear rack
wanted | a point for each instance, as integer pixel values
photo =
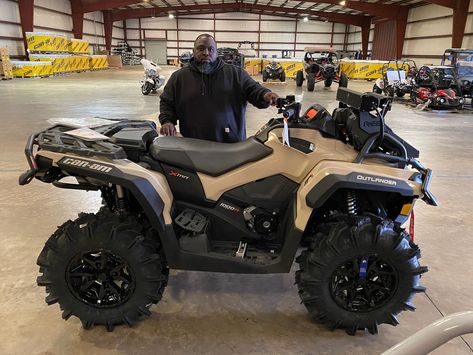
(402, 161)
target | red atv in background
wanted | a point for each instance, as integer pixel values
(437, 88)
(320, 64)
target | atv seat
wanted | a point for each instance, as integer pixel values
(208, 157)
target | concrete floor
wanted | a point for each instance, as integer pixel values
(215, 313)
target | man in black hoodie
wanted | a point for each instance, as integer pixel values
(209, 97)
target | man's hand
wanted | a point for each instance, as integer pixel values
(270, 98)
(168, 129)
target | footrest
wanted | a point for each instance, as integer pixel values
(191, 220)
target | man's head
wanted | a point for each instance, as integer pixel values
(205, 49)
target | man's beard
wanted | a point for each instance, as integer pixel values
(206, 67)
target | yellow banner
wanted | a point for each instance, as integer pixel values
(365, 69)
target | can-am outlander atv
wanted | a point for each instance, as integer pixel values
(274, 71)
(337, 187)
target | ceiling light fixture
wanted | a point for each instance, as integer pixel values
(343, 3)
(171, 16)
(305, 19)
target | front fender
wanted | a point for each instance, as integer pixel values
(148, 187)
(329, 176)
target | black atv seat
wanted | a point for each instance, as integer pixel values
(208, 157)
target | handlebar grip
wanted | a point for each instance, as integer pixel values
(288, 113)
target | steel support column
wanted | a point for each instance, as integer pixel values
(26, 8)
(108, 29)
(77, 18)
(365, 38)
(401, 24)
(460, 13)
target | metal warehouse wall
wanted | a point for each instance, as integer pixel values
(270, 33)
(429, 33)
(51, 16)
(354, 38)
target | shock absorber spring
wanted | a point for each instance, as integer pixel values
(121, 205)
(352, 206)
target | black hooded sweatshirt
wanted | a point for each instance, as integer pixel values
(210, 106)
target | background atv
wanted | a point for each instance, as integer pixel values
(190, 204)
(462, 62)
(185, 58)
(230, 56)
(320, 64)
(397, 78)
(247, 49)
(437, 87)
(274, 71)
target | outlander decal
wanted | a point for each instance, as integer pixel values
(376, 179)
(86, 164)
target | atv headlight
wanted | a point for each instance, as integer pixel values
(461, 101)
(152, 72)
(442, 100)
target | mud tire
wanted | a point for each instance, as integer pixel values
(299, 78)
(137, 245)
(346, 240)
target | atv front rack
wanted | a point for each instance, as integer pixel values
(127, 139)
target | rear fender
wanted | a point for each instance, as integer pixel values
(149, 188)
(329, 176)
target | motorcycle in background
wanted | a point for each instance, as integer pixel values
(152, 80)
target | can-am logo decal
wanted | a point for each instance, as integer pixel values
(85, 164)
(179, 175)
(230, 208)
(377, 180)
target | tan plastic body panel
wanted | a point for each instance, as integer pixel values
(326, 168)
(284, 160)
(157, 180)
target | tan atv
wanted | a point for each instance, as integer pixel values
(338, 186)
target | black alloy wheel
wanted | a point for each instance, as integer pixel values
(100, 278)
(367, 292)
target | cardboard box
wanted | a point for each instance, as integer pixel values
(115, 61)
(4, 55)
(253, 70)
(6, 69)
